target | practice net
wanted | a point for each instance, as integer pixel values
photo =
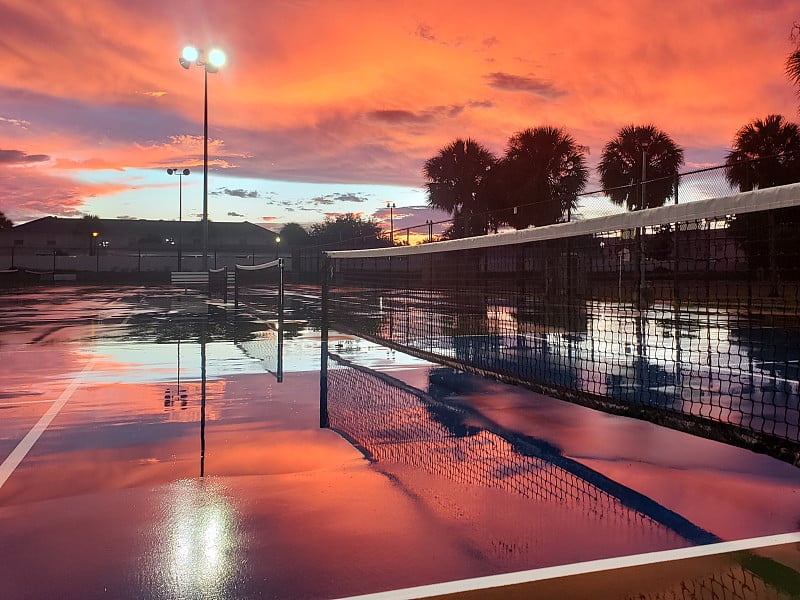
(686, 315)
(260, 288)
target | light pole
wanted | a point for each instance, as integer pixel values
(211, 63)
(391, 221)
(180, 174)
(645, 146)
(429, 223)
(277, 241)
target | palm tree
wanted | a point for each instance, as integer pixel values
(793, 67)
(621, 166)
(455, 177)
(538, 180)
(766, 153)
(5, 222)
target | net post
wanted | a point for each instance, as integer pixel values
(225, 287)
(324, 421)
(280, 292)
(279, 373)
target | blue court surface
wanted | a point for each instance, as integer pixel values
(156, 445)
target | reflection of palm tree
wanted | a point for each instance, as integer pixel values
(541, 175)
(621, 165)
(776, 143)
(455, 176)
(5, 222)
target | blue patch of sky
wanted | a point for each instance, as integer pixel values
(154, 195)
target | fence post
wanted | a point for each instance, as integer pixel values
(235, 287)
(677, 183)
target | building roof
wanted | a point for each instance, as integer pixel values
(142, 232)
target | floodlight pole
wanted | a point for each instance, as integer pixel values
(180, 173)
(210, 62)
(391, 222)
(205, 169)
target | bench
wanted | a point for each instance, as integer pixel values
(189, 278)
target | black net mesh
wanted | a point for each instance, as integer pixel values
(260, 288)
(417, 440)
(690, 323)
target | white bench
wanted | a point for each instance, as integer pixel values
(188, 279)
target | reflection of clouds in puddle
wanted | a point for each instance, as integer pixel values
(200, 545)
(371, 355)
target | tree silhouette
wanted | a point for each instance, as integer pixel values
(455, 177)
(539, 178)
(293, 235)
(621, 162)
(793, 67)
(348, 231)
(766, 153)
(793, 60)
(5, 222)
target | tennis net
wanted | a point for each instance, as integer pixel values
(686, 315)
(260, 288)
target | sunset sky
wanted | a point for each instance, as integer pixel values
(328, 107)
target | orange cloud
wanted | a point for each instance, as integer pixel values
(364, 93)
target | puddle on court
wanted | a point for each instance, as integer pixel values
(430, 474)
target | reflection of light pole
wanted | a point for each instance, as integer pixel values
(180, 175)
(391, 221)
(429, 223)
(211, 64)
(96, 249)
(277, 241)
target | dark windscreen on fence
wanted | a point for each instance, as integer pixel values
(687, 315)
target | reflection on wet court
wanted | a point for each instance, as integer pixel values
(183, 457)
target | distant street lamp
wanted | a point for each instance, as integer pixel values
(391, 221)
(180, 174)
(277, 241)
(429, 223)
(211, 63)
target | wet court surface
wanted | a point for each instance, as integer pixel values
(114, 401)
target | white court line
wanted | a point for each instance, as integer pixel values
(21, 451)
(592, 566)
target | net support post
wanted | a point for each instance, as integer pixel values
(324, 421)
(225, 286)
(279, 373)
